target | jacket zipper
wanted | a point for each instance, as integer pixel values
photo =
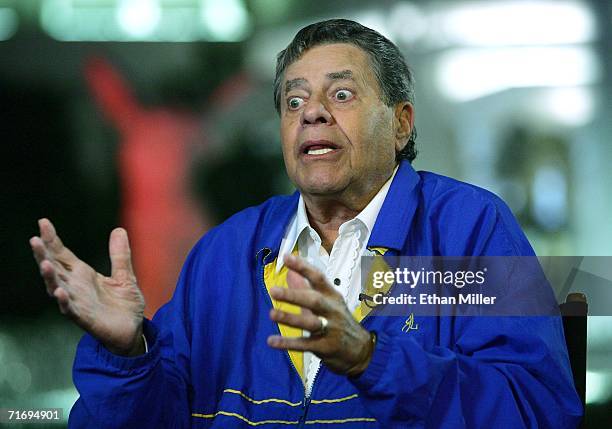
(305, 406)
(314, 380)
(306, 400)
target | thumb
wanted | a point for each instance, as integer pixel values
(120, 254)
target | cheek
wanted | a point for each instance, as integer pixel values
(371, 137)
(381, 126)
(356, 127)
(288, 136)
(288, 141)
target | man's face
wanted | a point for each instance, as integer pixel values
(337, 135)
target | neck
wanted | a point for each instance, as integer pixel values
(326, 213)
(327, 216)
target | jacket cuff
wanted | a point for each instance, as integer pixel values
(124, 364)
(378, 363)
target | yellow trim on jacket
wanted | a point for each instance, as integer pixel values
(273, 278)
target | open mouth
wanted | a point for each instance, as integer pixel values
(317, 148)
(317, 151)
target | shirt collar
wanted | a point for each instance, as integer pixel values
(300, 222)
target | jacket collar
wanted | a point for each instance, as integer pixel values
(391, 227)
(395, 217)
(275, 221)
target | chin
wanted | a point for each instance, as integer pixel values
(321, 187)
(322, 182)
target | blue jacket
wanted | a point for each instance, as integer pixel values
(209, 365)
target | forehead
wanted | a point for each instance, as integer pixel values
(323, 59)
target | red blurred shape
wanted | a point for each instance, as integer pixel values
(157, 209)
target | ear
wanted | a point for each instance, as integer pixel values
(403, 122)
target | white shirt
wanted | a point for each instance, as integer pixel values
(342, 267)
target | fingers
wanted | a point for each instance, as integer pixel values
(315, 277)
(293, 343)
(49, 236)
(63, 300)
(305, 298)
(120, 255)
(308, 321)
(48, 271)
(296, 281)
(55, 262)
(54, 246)
(346, 345)
(52, 257)
(38, 249)
(49, 276)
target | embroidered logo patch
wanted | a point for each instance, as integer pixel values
(409, 324)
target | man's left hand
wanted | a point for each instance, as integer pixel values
(345, 347)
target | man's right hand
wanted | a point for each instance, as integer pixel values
(110, 308)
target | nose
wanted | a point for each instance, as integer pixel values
(315, 113)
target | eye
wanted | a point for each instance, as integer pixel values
(294, 103)
(343, 95)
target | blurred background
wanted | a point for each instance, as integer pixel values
(157, 115)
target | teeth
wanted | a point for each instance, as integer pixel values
(319, 151)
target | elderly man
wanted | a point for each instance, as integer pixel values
(256, 336)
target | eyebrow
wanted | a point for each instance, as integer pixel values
(294, 83)
(341, 75)
(300, 81)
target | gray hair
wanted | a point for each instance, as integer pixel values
(395, 79)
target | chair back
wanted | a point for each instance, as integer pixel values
(574, 312)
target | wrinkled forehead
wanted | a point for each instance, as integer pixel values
(332, 60)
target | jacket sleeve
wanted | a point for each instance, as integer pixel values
(504, 373)
(501, 372)
(151, 390)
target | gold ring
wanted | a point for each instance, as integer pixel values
(323, 329)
